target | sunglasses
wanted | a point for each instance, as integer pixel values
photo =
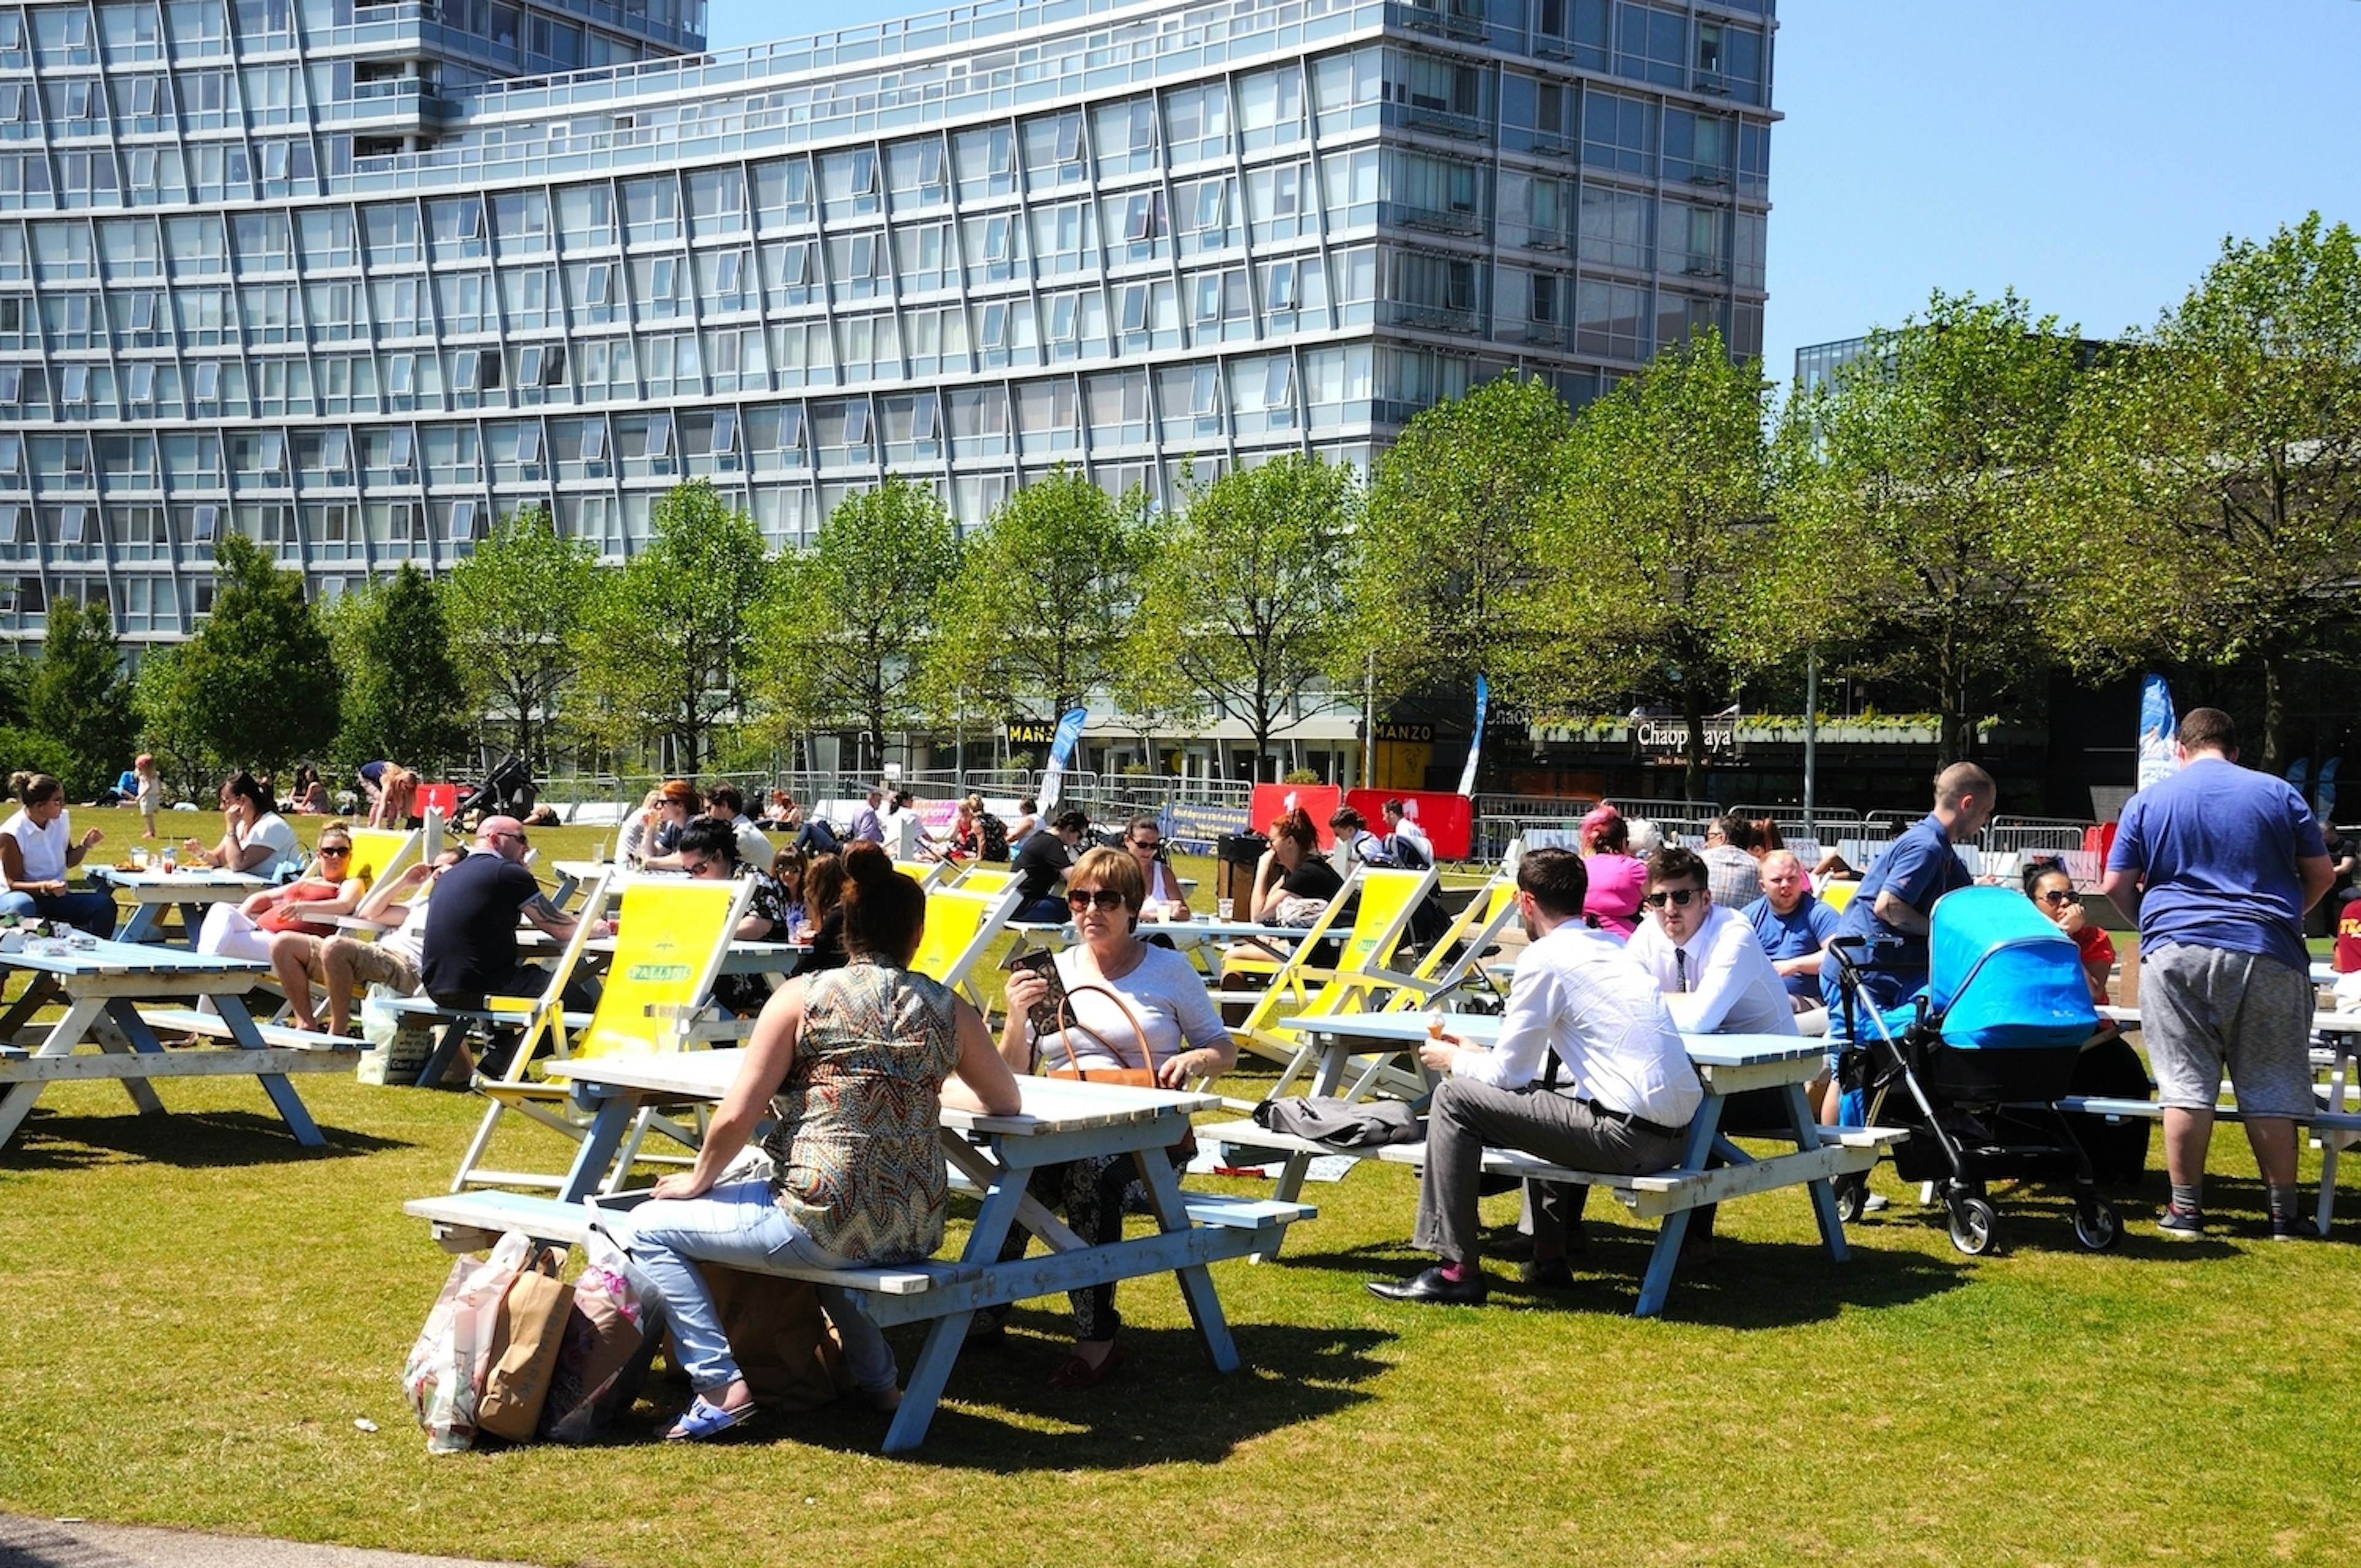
(1678, 897)
(338, 849)
(699, 868)
(2061, 895)
(1151, 846)
(1104, 898)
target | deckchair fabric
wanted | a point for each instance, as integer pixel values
(961, 922)
(672, 938)
(1358, 980)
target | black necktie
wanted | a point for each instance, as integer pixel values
(1681, 967)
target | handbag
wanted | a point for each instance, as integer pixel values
(1142, 1077)
(525, 1344)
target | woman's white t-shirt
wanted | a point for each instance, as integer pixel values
(271, 829)
(1166, 992)
(44, 848)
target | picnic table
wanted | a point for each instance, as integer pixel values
(1726, 1065)
(102, 985)
(190, 892)
(994, 1157)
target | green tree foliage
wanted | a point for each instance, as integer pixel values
(1442, 580)
(665, 643)
(844, 643)
(1243, 599)
(1913, 511)
(403, 697)
(2214, 473)
(260, 681)
(160, 697)
(1043, 597)
(512, 607)
(78, 698)
(1655, 545)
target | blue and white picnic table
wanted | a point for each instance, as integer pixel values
(103, 985)
(994, 1157)
(190, 892)
(1726, 1065)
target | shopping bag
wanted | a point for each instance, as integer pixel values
(444, 1374)
(607, 1345)
(779, 1338)
(530, 1331)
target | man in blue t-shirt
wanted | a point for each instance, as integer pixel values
(1794, 927)
(1897, 900)
(2219, 863)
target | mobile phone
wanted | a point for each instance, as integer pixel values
(1043, 1015)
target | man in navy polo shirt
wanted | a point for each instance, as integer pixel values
(1897, 899)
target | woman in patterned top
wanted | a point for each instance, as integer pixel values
(853, 1064)
(709, 848)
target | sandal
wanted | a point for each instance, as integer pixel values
(1074, 1373)
(704, 1419)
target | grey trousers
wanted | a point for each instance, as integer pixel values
(1466, 1118)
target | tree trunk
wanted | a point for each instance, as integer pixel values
(1693, 760)
(2275, 757)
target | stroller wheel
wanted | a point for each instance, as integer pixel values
(1852, 1196)
(2096, 1224)
(1975, 1226)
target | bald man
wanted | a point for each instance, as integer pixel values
(469, 950)
(1897, 899)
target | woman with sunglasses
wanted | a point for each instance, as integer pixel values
(708, 850)
(2052, 892)
(309, 905)
(255, 836)
(1166, 899)
(1129, 1005)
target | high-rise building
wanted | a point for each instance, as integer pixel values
(354, 281)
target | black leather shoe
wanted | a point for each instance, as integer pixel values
(1547, 1271)
(1431, 1286)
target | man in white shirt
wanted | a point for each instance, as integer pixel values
(1406, 842)
(1711, 967)
(723, 803)
(1589, 1072)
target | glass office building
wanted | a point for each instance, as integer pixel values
(358, 279)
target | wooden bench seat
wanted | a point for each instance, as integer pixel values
(1842, 1150)
(190, 1021)
(20, 1066)
(2149, 1111)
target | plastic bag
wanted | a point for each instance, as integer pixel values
(380, 1022)
(607, 1342)
(444, 1374)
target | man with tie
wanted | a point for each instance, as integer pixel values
(1712, 969)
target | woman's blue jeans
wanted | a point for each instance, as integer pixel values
(737, 1224)
(92, 912)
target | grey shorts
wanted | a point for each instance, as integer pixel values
(2202, 1008)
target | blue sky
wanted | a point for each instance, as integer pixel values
(2092, 154)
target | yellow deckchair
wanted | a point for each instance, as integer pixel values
(382, 851)
(672, 937)
(961, 922)
(1359, 981)
(980, 878)
(928, 874)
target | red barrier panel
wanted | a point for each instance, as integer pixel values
(442, 797)
(1449, 819)
(1273, 801)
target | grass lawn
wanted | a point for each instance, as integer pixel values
(199, 1312)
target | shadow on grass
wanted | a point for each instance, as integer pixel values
(1750, 1285)
(193, 1140)
(1166, 1405)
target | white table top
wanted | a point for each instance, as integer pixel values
(1051, 1105)
(203, 876)
(1484, 1029)
(122, 958)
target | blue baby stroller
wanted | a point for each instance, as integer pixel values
(1977, 1058)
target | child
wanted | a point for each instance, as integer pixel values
(151, 790)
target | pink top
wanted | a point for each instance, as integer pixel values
(1616, 884)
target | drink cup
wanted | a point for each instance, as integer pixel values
(139, 858)
(1227, 909)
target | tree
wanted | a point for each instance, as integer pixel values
(666, 643)
(512, 607)
(845, 639)
(2212, 470)
(1243, 600)
(1442, 574)
(259, 679)
(1653, 545)
(1043, 598)
(1913, 504)
(78, 698)
(403, 697)
(160, 696)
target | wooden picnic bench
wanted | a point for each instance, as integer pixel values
(1726, 1065)
(994, 1157)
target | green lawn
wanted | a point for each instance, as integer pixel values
(199, 1312)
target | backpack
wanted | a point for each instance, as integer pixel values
(995, 837)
